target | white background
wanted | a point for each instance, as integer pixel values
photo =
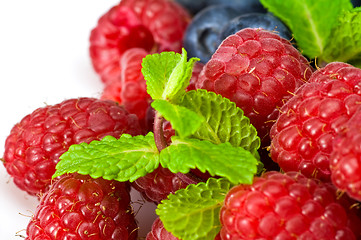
(44, 59)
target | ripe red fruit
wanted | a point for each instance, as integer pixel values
(158, 232)
(35, 143)
(259, 71)
(303, 135)
(80, 207)
(117, 31)
(287, 206)
(157, 185)
(154, 25)
(130, 89)
(345, 159)
(166, 20)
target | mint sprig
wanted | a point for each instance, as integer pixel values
(167, 74)
(234, 163)
(311, 22)
(193, 213)
(123, 159)
(128, 158)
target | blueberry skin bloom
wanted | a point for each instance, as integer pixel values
(266, 21)
(194, 6)
(201, 38)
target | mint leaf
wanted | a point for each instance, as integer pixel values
(123, 159)
(184, 121)
(310, 21)
(224, 160)
(193, 213)
(156, 69)
(167, 74)
(224, 121)
(344, 45)
(179, 79)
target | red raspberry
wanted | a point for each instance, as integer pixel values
(197, 68)
(259, 71)
(157, 185)
(303, 134)
(166, 20)
(130, 89)
(154, 25)
(117, 31)
(80, 207)
(345, 160)
(35, 144)
(158, 232)
(286, 206)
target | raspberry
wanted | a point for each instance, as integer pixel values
(158, 232)
(197, 68)
(303, 134)
(130, 88)
(286, 206)
(117, 31)
(259, 71)
(345, 159)
(154, 25)
(157, 185)
(80, 207)
(35, 144)
(166, 20)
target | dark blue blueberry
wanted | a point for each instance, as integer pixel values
(195, 6)
(201, 38)
(256, 20)
(356, 3)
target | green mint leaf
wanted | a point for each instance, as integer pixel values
(156, 69)
(184, 121)
(123, 159)
(234, 163)
(193, 213)
(179, 79)
(224, 121)
(167, 74)
(310, 21)
(344, 45)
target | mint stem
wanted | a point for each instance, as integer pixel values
(159, 139)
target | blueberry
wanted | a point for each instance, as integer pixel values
(195, 6)
(356, 3)
(201, 38)
(256, 20)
